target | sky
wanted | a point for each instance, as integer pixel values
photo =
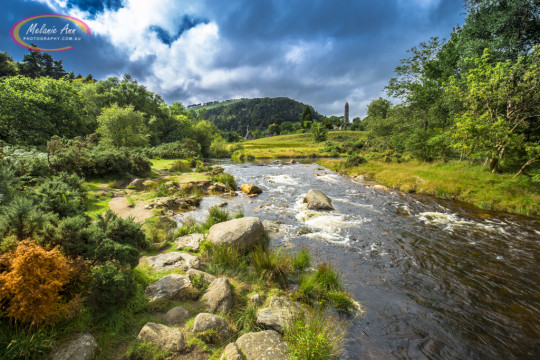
(320, 52)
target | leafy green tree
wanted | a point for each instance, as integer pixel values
(34, 110)
(319, 132)
(274, 129)
(7, 65)
(307, 118)
(501, 102)
(509, 28)
(122, 126)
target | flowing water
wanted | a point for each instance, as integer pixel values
(438, 279)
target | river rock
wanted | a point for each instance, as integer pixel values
(262, 345)
(231, 352)
(250, 189)
(218, 297)
(218, 187)
(83, 347)
(317, 200)
(206, 321)
(168, 338)
(172, 287)
(208, 278)
(255, 299)
(244, 233)
(173, 261)
(136, 184)
(176, 316)
(380, 187)
(191, 241)
(281, 313)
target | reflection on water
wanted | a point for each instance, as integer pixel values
(439, 280)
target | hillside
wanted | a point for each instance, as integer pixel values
(258, 113)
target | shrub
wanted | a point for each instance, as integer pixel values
(180, 166)
(61, 198)
(226, 179)
(120, 239)
(22, 219)
(82, 157)
(32, 284)
(110, 288)
(218, 148)
(318, 339)
(354, 160)
(184, 149)
(319, 132)
(332, 148)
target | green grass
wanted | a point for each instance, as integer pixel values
(146, 351)
(320, 338)
(162, 164)
(295, 146)
(453, 180)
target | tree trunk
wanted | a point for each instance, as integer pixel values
(494, 164)
(524, 166)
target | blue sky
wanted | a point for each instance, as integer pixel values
(321, 52)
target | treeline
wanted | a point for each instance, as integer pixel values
(258, 114)
(473, 97)
(110, 113)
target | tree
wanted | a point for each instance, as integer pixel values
(7, 65)
(32, 284)
(274, 129)
(38, 64)
(122, 126)
(307, 118)
(502, 102)
(319, 132)
(34, 110)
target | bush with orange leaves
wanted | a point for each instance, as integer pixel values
(31, 283)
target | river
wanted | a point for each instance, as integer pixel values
(438, 279)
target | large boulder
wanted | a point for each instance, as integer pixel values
(250, 189)
(83, 347)
(317, 200)
(191, 241)
(218, 297)
(281, 313)
(173, 261)
(171, 287)
(262, 345)
(231, 352)
(176, 316)
(205, 321)
(244, 233)
(168, 338)
(136, 184)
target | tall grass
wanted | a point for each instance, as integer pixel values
(453, 180)
(324, 287)
(272, 265)
(320, 338)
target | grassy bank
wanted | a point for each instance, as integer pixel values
(295, 146)
(453, 181)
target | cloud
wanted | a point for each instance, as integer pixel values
(322, 52)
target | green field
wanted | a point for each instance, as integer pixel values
(295, 146)
(453, 180)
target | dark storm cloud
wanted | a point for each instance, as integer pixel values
(185, 23)
(322, 52)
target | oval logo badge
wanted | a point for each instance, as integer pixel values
(52, 32)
